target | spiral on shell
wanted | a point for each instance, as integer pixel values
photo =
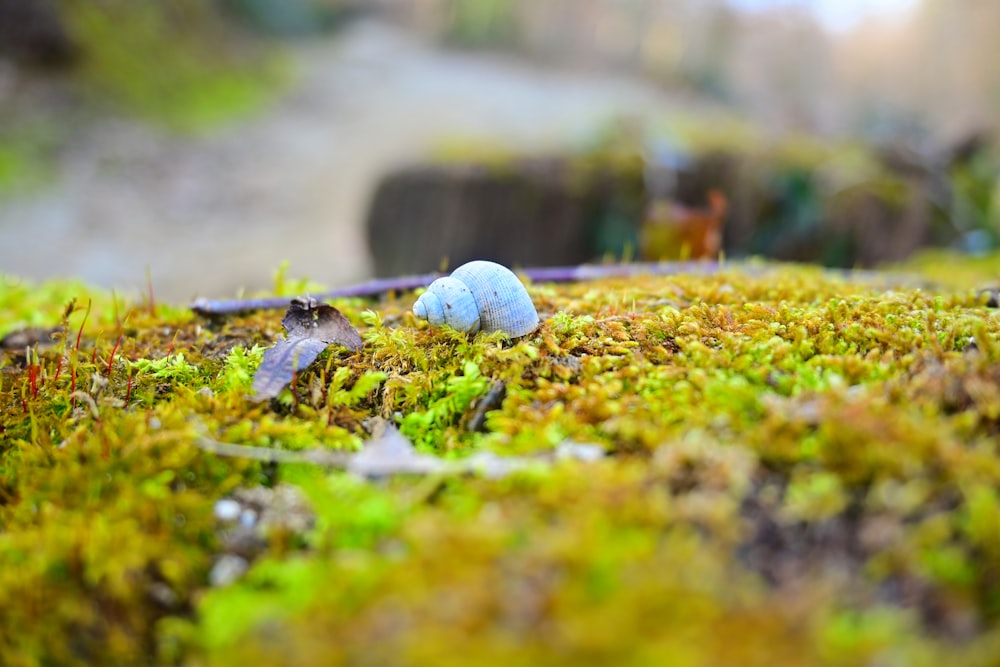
(479, 296)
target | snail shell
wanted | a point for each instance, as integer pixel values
(479, 296)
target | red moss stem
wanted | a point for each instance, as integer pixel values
(59, 365)
(72, 387)
(33, 379)
(79, 334)
(128, 389)
(76, 355)
(114, 350)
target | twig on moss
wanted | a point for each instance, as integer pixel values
(548, 274)
(388, 452)
(210, 307)
(271, 455)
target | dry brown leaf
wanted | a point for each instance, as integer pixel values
(311, 327)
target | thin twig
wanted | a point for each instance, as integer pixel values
(491, 401)
(390, 453)
(544, 274)
(367, 289)
(271, 455)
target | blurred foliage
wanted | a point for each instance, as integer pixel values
(940, 267)
(25, 148)
(481, 23)
(916, 75)
(177, 63)
(975, 203)
(289, 17)
(837, 202)
(182, 65)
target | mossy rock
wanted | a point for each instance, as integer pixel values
(801, 468)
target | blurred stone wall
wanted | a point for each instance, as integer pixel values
(841, 207)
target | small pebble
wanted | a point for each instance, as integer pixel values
(245, 542)
(227, 569)
(492, 466)
(163, 595)
(579, 451)
(227, 509)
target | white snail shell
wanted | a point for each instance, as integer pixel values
(479, 296)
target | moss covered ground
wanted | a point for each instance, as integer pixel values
(801, 468)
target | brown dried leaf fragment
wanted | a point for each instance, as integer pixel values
(311, 327)
(307, 318)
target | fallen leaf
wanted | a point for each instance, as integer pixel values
(307, 318)
(311, 327)
(670, 230)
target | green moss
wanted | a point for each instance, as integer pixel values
(802, 469)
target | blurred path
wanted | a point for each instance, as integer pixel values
(210, 216)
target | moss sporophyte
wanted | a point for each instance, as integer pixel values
(800, 468)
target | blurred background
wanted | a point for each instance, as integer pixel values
(203, 145)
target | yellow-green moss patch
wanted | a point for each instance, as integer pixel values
(802, 469)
